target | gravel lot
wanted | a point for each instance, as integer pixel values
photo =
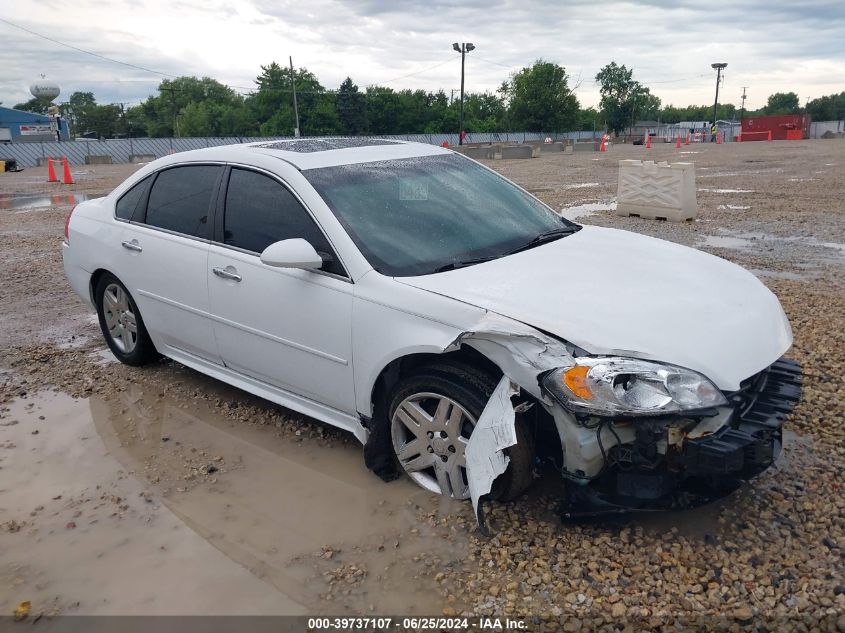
(159, 490)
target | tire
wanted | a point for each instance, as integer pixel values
(119, 316)
(430, 417)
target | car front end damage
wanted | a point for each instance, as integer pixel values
(620, 463)
(635, 435)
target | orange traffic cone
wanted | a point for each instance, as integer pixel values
(67, 179)
(718, 138)
(648, 141)
(51, 172)
(444, 144)
(603, 146)
(688, 139)
(678, 142)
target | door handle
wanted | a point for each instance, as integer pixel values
(223, 273)
(133, 246)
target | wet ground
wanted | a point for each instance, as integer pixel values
(158, 490)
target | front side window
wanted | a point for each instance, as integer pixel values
(417, 216)
(180, 199)
(125, 207)
(261, 211)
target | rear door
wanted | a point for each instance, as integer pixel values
(287, 327)
(165, 255)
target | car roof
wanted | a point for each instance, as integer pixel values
(313, 153)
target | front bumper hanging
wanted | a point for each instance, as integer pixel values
(704, 468)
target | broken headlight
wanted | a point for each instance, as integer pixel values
(628, 386)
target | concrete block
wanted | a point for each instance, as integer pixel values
(520, 151)
(587, 146)
(656, 191)
(98, 159)
(478, 152)
(568, 149)
(141, 158)
(548, 148)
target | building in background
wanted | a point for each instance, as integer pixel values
(17, 126)
(786, 127)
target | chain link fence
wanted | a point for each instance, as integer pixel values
(28, 154)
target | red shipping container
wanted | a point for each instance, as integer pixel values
(783, 127)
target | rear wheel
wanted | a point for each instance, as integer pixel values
(432, 414)
(121, 322)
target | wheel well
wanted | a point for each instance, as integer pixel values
(404, 366)
(95, 279)
(537, 419)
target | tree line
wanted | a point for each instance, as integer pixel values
(539, 98)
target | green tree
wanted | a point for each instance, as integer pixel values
(272, 103)
(589, 119)
(445, 116)
(351, 109)
(673, 114)
(382, 110)
(193, 106)
(38, 106)
(827, 108)
(89, 117)
(646, 106)
(133, 118)
(484, 112)
(541, 100)
(782, 103)
(623, 99)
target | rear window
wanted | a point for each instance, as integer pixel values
(128, 203)
(180, 199)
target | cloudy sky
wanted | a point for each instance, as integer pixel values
(769, 45)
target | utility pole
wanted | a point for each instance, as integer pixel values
(463, 49)
(172, 91)
(719, 67)
(742, 109)
(295, 109)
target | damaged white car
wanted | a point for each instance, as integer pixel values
(463, 331)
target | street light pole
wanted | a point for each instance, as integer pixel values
(719, 66)
(463, 49)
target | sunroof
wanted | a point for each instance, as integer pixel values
(309, 145)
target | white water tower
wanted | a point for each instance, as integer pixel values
(45, 89)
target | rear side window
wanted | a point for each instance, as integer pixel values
(129, 201)
(180, 199)
(261, 211)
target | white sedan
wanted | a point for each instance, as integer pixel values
(458, 327)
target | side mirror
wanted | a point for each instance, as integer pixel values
(293, 253)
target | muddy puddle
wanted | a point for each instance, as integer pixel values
(765, 241)
(31, 201)
(581, 185)
(203, 515)
(588, 208)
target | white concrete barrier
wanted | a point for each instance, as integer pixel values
(520, 151)
(656, 191)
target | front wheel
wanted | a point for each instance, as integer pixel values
(432, 415)
(121, 323)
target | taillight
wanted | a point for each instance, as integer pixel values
(67, 224)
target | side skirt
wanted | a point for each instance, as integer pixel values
(287, 399)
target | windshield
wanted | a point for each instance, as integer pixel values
(416, 216)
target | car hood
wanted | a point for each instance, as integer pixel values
(615, 292)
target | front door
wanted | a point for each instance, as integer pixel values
(286, 327)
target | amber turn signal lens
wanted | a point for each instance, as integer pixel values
(575, 380)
